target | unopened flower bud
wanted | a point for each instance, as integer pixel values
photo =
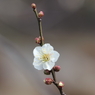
(48, 81)
(38, 40)
(60, 84)
(47, 72)
(33, 5)
(40, 14)
(56, 68)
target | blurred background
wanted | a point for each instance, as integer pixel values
(68, 25)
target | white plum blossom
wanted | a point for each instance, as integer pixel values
(45, 57)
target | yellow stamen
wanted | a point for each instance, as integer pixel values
(45, 57)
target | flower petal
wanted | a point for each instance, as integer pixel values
(47, 48)
(48, 65)
(51, 64)
(37, 51)
(37, 62)
(38, 67)
(54, 56)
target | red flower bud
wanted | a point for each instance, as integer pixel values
(60, 84)
(40, 14)
(38, 40)
(47, 72)
(48, 81)
(33, 5)
(56, 68)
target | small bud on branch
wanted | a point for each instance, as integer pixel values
(48, 81)
(38, 40)
(60, 84)
(40, 14)
(47, 72)
(56, 68)
(33, 5)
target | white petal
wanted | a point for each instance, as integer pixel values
(48, 65)
(54, 56)
(47, 48)
(38, 67)
(51, 64)
(37, 62)
(37, 51)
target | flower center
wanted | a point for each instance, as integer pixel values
(46, 57)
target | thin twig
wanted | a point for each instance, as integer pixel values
(40, 26)
(53, 75)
